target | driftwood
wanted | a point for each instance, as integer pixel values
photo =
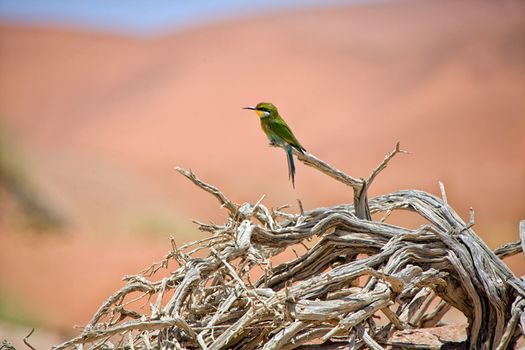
(356, 282)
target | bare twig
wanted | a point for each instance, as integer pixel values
(509, 249)
(26, 340)
(301, 210)
(522, 235)
(384, 163)
(372, 344)
(232, 207)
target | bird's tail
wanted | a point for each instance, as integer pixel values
(291, 165)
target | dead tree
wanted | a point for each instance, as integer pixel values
(357, 282)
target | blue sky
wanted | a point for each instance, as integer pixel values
(141, 16)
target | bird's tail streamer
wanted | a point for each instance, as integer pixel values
(291, 165)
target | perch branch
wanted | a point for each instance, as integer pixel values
(316, 163)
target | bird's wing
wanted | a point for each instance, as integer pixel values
(281, 129)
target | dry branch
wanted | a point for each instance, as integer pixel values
(360, 282)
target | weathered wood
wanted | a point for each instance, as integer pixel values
(357, 270)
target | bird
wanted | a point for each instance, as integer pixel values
(278, 133)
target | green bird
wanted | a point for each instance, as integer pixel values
(278, 132)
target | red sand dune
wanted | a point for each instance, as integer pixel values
(104, 119)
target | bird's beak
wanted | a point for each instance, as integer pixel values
(250, 107)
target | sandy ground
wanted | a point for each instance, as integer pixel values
(101, 121)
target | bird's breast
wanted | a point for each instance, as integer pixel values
(272, 136)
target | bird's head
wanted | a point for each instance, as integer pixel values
(264, 109)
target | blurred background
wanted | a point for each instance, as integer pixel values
(100, 100)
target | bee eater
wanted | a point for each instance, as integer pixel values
(278, 132)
